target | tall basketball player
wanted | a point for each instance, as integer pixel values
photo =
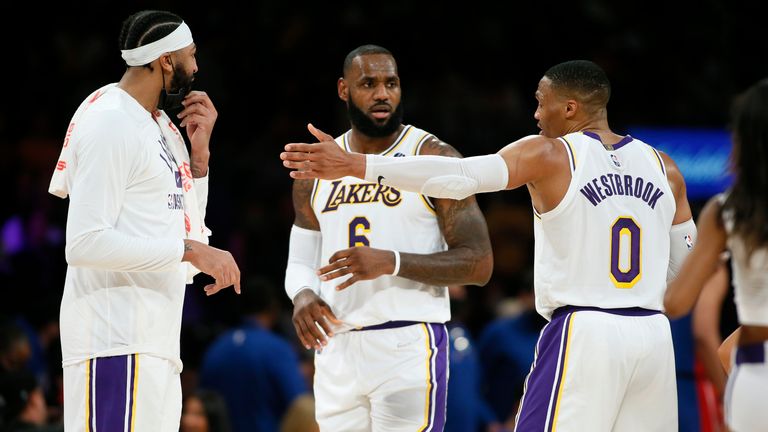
(375, 309)
(611, 218)
(137, 203)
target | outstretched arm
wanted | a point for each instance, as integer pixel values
(524, 161)
(468, 260)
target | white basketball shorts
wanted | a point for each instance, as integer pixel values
(601, 370)
(388, 377)
(128, 393)
(745, 409)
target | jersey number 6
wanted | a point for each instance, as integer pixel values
(626, 250)
(358, 228)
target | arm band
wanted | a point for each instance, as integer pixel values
(303, 261)
(439, 176)
(397, 263)
(681, 240)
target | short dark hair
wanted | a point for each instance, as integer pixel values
(361, 51)
(146, 27)
(583, 80)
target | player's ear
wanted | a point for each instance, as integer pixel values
(166, 64)
(341, 86)
(571, 107)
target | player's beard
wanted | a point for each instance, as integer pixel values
(178, 88)
(370, 127)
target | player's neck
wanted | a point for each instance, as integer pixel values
(365, 144)
(143, 85)
(597, 126)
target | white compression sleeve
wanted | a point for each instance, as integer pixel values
(439, 176)
(682, 237)
(303, 261)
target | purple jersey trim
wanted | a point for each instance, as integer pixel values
(388, 325)
(752, 353)
(631, 311)
(624, 141)
(661, 162)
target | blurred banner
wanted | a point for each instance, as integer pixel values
(701, 153)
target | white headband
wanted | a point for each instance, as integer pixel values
(176, 40)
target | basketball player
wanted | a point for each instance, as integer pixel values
(611, 217)
(375, 311)
(736, 221)
(136, 214)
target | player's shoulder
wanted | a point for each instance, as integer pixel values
(111, 113)
(429, 144)
(433, 146)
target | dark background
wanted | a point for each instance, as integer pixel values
(468, 71)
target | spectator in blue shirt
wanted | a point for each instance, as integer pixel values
(255, 370)
(506, 348)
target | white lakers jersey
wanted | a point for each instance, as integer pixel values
(606, 244)
(750, 276)
(353, 212)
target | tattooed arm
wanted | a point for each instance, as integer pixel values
(468, 260)
(302, 205)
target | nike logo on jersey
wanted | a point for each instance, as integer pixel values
(610, 184)
(361, 193)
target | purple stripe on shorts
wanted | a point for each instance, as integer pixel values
(109, 397)
(431, 377)
(91, 393)
(561, 372)
(631, 311)
(752, 353)
(441, 376)
(131, 402)
(534, 406)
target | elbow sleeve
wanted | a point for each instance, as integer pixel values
(682, 237)
(304, 251)
(439, 176)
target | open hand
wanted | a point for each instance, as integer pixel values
(215, 262)
(362, 262)
(323, 160)
(309, 312)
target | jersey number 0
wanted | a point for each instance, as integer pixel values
(626, 250)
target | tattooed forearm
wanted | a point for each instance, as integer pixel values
(469, 259)
(302, 205)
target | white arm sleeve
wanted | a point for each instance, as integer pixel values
(682, 237)
(106, 159)
(439, 176)
(303, 261)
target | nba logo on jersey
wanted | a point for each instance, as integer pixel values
(689, 241)
(616, 160)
